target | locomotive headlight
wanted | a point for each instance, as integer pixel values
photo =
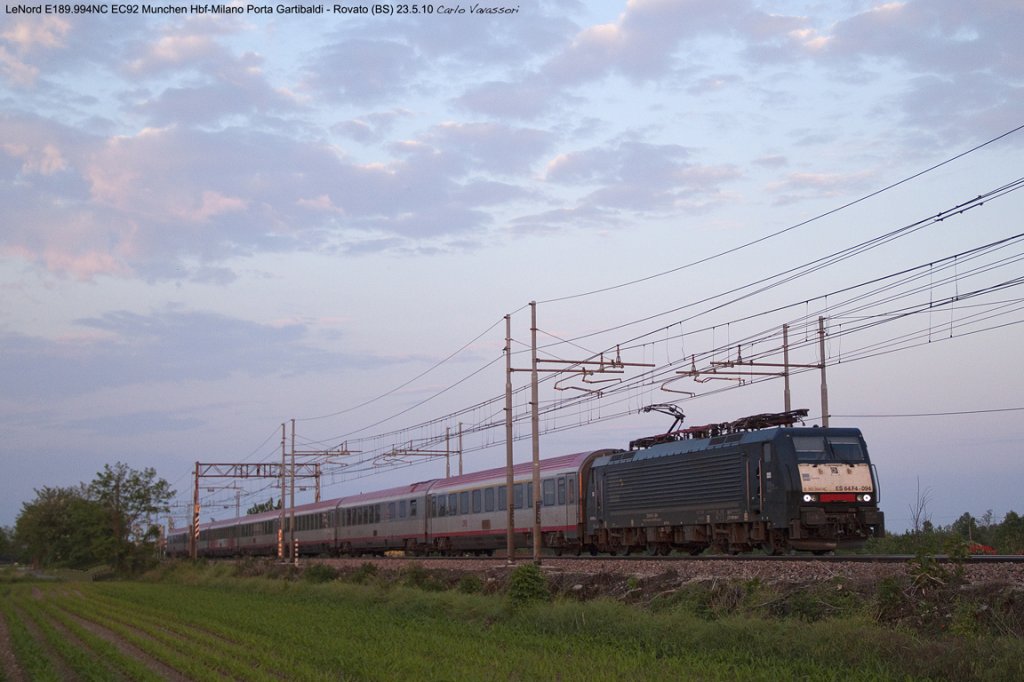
(808, 498)
(865, 498)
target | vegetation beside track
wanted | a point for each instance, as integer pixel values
(211, 622)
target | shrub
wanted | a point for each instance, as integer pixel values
(364, 574)
(528, 584)
(470, 584)
(319, 573)
(416, 576)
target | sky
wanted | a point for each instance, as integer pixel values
(214, 224)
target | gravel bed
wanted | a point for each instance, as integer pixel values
(700, 570)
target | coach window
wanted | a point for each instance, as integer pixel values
(412, 507)
(570, 483)
(401, 509)
(519, 495)
(391, 511)
(376, 512)
(464, 502)
(548, 492)
(439, 501)
(502, 498)
(453, 504)
(489, 499)
(561, 490)
(477, 501)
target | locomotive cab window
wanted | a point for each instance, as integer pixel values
(809, 448)
(847, 448)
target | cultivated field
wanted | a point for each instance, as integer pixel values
(207, 624)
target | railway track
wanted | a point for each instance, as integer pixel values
(792, 558)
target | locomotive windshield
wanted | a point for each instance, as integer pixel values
(818, 449)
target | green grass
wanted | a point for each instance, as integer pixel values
(210, 626)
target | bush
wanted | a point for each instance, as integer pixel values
(528, 584)
(419, 577)
(470, 584)
(319, 573)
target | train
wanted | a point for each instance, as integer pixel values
(756, 483)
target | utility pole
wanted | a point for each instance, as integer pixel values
(824, 382)
(535, 426)
(510, 546)
(291, 524)
(194, 536)
(785, 363)
(280, 529)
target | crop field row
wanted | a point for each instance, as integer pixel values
(253, 629)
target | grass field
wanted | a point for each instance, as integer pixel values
(203, 627)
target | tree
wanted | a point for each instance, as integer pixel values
(6, 544)
(131, 500)
(1009, 535)
(919, 510)
(62, 527)
(260, 507)
(966, 527)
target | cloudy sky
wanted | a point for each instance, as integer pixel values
(212, 225)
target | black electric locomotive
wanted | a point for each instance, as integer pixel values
(754, 483)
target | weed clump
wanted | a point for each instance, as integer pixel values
(527, 584)
(415, 575)
(470, 584)
(366, 573)
(319, 573)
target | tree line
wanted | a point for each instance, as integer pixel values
(112, 521)
(982, 535)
